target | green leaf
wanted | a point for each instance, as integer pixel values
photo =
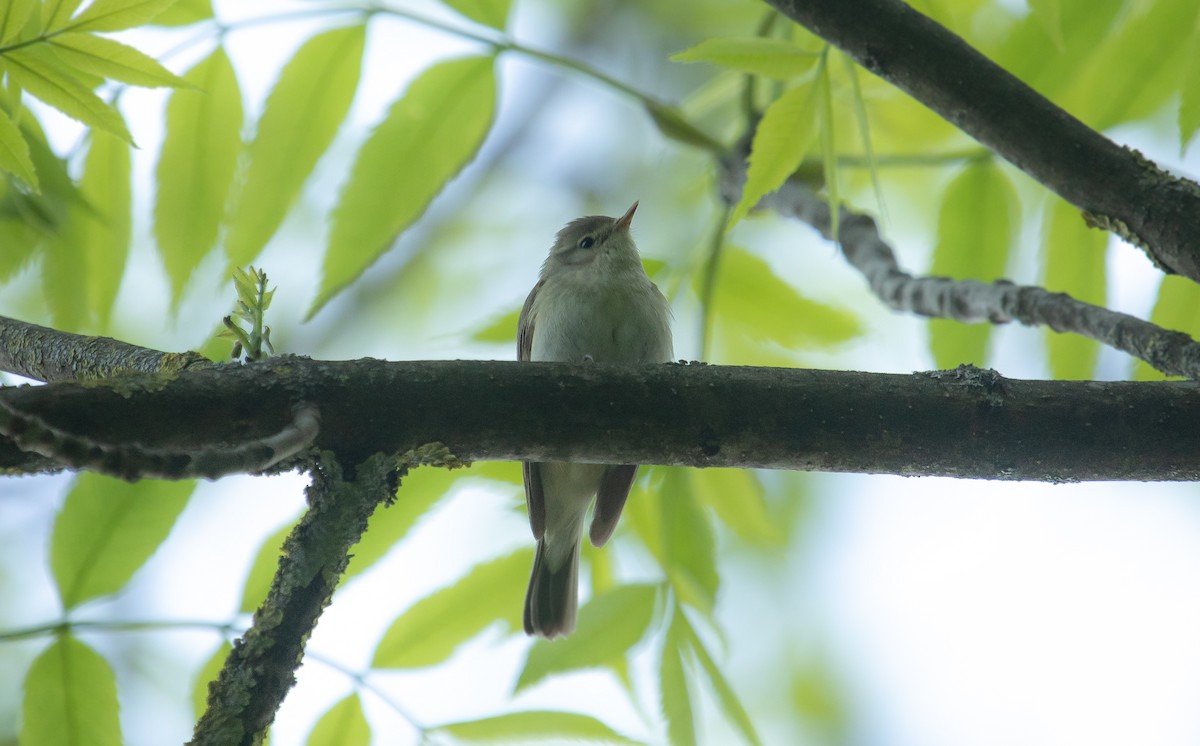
(14, 152)
(112, 59)
(70, 698)
(38, 69)
(302, 115)
(609, 625)
(106, 531)
(57, 13)
(96, 236)
(752, 298)
(829, 156)
(783, 137)
(1049, 13)
(492, 13)
(344, 724)
(673, 688)
(433, 628)
(726, 698)
(262, 572)
(1178, 308)
(118, 15)
(420, 491)
(1075, 264)
(196, 167)
(20, 241)
(185, 13)
(1125, 76)
(207, 674)
(428, 135)
(738, 498)
(13, 16)
(975, 229)
(772, 58)
(524, 727)
(503, 329)
(1189, 94)
(688, 545)
(107, 228)
(816, 698)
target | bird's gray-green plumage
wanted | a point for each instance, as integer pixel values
(592, 303)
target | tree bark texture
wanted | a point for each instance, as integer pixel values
(962, 423)
(1116, 187)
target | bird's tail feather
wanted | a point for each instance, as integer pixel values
(553, 595)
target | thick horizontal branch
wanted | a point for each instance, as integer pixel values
(1118, 188)
(964, 423)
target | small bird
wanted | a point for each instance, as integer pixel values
(592, 303)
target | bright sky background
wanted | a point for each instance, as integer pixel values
(953, 611)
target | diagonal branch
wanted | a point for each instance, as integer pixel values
(261, 668)
(1116, 187)
(969, 301)
(50, 355)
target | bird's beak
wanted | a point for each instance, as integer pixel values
(623, 222)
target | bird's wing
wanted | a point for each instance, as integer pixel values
(535, 498)
(610, 500)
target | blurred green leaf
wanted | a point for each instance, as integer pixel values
(107, 529)
(726, 698)
(1189, 94)
(492, 13)
(406, 161)
(184, 13)
(1177, 308)
(609, 625)
(536, 725)
(756, 302)
(56, 13)
(1126, 76)
(20, 242)
(738, 498)
(816, 698)
(13, 16)
(1075, 264)
(975, 229)
(70, 698)
(112, 59)
(40, 71)
(829, 155)
(118, 15)
(303, 113)
(262, 571)
(433, 628)
(420, 491)
(688, 545)
(772, 58)
(643, 510)
(344, 724)
(783, 137)
(199, 155)
(105, 228)
(14, 152)
(673, 688)
(503, 329)
(1049, 14)
(208, 673)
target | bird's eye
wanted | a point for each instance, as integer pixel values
(587, 242)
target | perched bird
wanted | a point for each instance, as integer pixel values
(592, 303)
